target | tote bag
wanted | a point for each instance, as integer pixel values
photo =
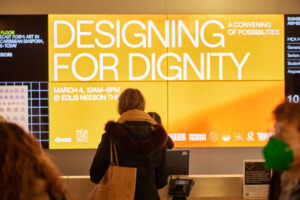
(118, 183)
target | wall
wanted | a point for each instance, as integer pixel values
(149, 7)
(202, 160)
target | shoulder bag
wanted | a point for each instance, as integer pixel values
(118, 183)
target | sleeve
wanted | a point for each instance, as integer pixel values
(162, 171)
(170, 143)
(101, 160)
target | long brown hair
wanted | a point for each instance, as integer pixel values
(131, 99)
(23, 164)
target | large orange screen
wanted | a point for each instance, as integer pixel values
(214, 79)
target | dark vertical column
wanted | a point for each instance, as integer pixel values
(292, 57)
(24, 61)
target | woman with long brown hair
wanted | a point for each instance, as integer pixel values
(26, 173)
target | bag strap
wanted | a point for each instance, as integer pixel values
(110, 151)
(116, 155)
(113, 150)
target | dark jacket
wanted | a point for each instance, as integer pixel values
(170, 143)
(140, 145)
(275, 188)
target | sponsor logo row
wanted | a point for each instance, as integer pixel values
(224, 137)
(82, 136)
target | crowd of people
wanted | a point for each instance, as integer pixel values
(26, 173)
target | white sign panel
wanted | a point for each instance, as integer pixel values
(256, 179)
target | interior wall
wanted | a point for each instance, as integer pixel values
(149, 7)
(202, 160)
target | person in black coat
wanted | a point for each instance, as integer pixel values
(285, 182)
(140, 143)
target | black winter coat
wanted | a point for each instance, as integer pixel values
(140, 145)
(275, 188)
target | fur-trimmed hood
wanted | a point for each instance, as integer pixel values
(137, 137)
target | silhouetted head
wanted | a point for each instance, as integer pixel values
(131, 99)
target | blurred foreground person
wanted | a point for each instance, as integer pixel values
(140, 143)
(25, 171)
(156, 117)
(282, 153)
